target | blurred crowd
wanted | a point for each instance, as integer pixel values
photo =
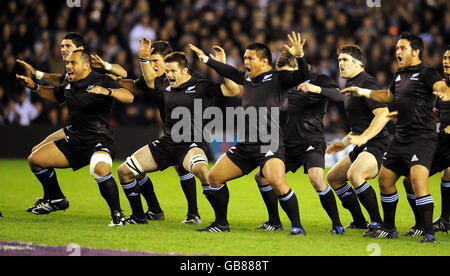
(32, 30)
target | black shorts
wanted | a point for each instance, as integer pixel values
(79, 155)
(249, 156)
(168, 153)
(310, 155)
(400, 157)
(441, 159)
(377, 147)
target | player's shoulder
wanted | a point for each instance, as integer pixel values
(368, 81)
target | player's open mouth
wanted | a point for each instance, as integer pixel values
(172, 81)
(399, 59)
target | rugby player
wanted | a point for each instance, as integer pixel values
(367, 119)
(415, 140)
(304, 141)
(182, 91)
(264, 88)
(90, 141)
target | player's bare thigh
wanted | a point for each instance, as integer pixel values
(47, 156)
(274, 172)
(224, 170)
(59, 134)
(364, 167)
(140, 162)
(337, 176)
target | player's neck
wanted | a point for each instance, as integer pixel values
(357, 72)
(85, 74)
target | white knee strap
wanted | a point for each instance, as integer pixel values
(97, 158)
(199, 158)
(134, 166)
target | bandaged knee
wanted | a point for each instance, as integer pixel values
(96, 159)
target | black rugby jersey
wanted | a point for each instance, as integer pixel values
(154, 96)
(413, 90)
(183, 98)
(261, 94)
(306, 110)
(359, 109)
(89, 114)
(444, 111)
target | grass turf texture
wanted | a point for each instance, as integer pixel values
(85, 222)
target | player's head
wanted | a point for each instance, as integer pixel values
(351, 61)
(286, 61)
(409, 50)
(177, 71)
(78, 65)
(257, 59)
(446, 61)
(70, 43)
(160, 50)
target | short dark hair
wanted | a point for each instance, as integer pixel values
(161, 47)
(262, 50)
(77, 39)
(286, 59)
(178, 57)
(415, 41)
(85, 57)
(354, 51)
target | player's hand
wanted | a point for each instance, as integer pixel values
(99, 90)
(26, 81)
(335, 147)
(297, 43)
(309, 87)
(97, 61)
(351, 91)
(30, 69)
(114, 77)
(441, 95)
(145, 48)
(357, 140)
(199, 52)
(392, 115)
(219, 54)
(447, 130)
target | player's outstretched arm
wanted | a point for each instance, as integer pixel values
(53, 79)
(145, 51)
(294, 78)
(229, 87)
(47, 93)
(336, 147)
(382, 96)
(331, 93)
(221, 68)
(378, 122)
(120, 94)
(115, 69)
(442, 91)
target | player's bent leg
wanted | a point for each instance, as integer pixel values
(271, 201)
(327, 199)
(274, 171)
(42, 163)
(140, 162)
(217, 193)
(337, 178)
(389, 201)
(417, 229)
(59, 134)
(424, 201)
(196, 162)
(100, 168)
(366, 167)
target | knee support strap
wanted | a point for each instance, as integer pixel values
(199, 158)
(133, 164)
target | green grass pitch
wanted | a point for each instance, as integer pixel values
(85, 222)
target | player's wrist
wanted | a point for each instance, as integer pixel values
(346, 141)
(107, 66)
(35, 88)
(144, 59)
(363, 92)
(204, 58)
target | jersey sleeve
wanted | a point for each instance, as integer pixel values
(59, 94)
(141, 84)
(430, 77)
(372, 104)
(108, 82)
(213, 89)
(392, 85)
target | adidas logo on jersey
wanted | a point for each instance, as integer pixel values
(310, 148)
(398, 79)
(414, 158)
(269, 153)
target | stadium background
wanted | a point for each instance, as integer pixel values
(32, 30)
